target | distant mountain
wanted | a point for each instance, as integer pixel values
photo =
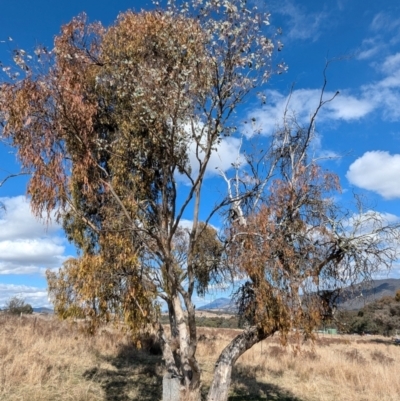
(358, 297)
(220, 305)
(43, 309)
(351, 298)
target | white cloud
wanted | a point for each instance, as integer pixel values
(367, 52)
(349, 105)
(384, 22)
(27, 246)
(35, 250)
(377, 171)
(32, 295)
(301, 106)
(226, 153)
(391, 64)
(17, 220)
(301, 24)
(386, 34)
(186, 224)
(370, 220)
(30, 255)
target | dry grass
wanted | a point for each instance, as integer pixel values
(44, 359)
(334, 368)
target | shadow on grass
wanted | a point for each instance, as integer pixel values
(247, 388)
(385, 341)
(134, 375)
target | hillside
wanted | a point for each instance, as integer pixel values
(351, 299)
(43, 309)
(381, 316)
(220, 305)
(354, 299)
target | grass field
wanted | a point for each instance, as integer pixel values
(43, 359)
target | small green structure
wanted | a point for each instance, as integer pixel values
(331, 331)
(327, 330)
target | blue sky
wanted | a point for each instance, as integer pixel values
(361, 127)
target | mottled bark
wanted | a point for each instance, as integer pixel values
(223, 368)
(179, 354)
(168, 356)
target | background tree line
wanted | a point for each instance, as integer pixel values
(379, 317)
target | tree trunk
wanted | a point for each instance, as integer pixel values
(181, 364)
(174, 390)
(223, 369)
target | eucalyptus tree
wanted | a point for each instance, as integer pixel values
(105, 123)
(293, 245)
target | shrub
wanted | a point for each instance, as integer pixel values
(16, 306)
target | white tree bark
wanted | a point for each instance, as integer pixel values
(182, 368)
(223, 369)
